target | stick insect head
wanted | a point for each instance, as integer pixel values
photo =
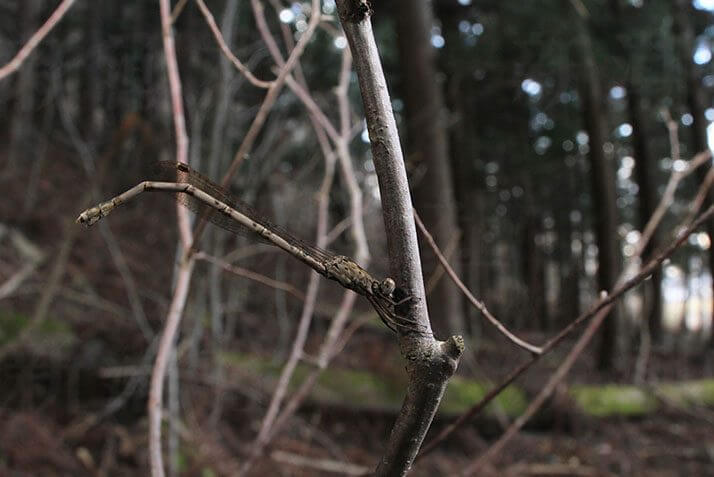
(384, 288)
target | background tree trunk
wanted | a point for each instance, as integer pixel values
(645, 167)
(696, 100)
(533, 264)
(429, 153)
(569, 263)
(22, 120)
(644, 161)
(602, 185)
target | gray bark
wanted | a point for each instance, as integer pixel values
(429, 363)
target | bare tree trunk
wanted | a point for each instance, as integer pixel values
(468, 202)
(91, 100)
(569, 269)
(533, 265)
(433, 191)
(464, 147)
(647, 201)
(21, 128)
(602, 187)
(696, 100)
(644, 163)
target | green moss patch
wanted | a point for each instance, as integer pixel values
(462, 394)
(608, 400)
(363, 389)
(359, 388)
(611, 400)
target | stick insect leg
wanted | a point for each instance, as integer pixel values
(391, 319)
(383, 316)
(400, 302)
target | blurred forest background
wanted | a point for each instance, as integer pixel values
(539, 139)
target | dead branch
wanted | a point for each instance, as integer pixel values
(226, 50)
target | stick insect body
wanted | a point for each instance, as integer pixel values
(217, 205)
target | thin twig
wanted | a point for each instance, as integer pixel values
(438, 273)
(178, 9)
(251, 275)
(15, 63)
(177, 109)
(226, 49)
(158, 374)
(673, 132)
(9, 286)
(478, 304)
(290, 365)
(299, 90)
(329, 349)
(345, 158)
(186, 266)
(341, 139)
(668, 197)
(701, 196)
(296, 353)
(322, 465)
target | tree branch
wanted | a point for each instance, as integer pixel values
(429, 363)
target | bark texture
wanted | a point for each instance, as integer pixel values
(429, 363)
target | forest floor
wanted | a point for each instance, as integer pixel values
(45, 406)
(47, 440)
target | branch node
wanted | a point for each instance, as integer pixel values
(454, 346)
